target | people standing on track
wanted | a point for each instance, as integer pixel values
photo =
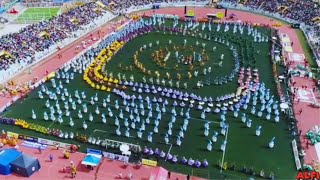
(59, 56)
(73, 170)
(51, 158)
(64, 169)
(77, 49)
(73, 174)
(99, 34)
(120, 176)
(84, 44)
(130, 176)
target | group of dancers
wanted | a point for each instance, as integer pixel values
(147, 104)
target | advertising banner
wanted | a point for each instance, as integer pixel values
(27, 138)
(116, 157)
(149, 162)
(54, 143)
(12, 134)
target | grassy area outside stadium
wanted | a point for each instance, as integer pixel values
(34, 15)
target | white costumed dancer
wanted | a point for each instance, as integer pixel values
(209, 146)
(271, 143)
(258, 131)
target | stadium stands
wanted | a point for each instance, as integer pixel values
(23, 45)
(303, 11)
(118, 5)
(3, 3)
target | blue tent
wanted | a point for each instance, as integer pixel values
(6, 157)
(94, 151)
(92, 160)
(25, 165)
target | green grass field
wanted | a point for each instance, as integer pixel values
(243, 148)
(37, 14)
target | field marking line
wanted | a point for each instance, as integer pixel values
(51, 124)
(224, 152)
(96, 130)
(168, 152)
(55, 120)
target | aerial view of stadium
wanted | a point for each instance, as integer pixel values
(160, 89)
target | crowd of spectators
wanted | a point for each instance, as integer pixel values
(27, 42)
(24, 44)
(35, 1)
(314, 32)
(299, 10)
(123, 5)
(3, 3)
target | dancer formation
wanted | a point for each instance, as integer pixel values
(158, 105)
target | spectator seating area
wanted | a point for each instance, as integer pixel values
(23, 46)
(66, 7)
(300, 10)
(3, 3)
(118, 5)
(35, 1)
(35, 38)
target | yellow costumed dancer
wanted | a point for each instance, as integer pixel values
(179, 76)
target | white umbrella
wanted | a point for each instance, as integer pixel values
(284, 106)
(124, 148)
